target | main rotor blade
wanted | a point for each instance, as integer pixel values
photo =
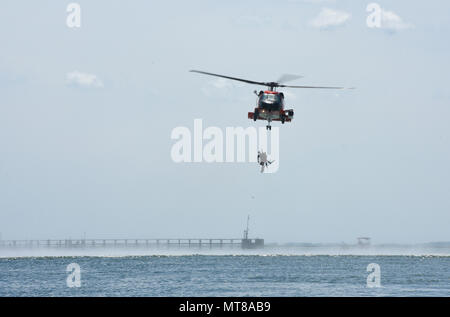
(288, 77)
(285, 77)
(232, 78)
(314, 87)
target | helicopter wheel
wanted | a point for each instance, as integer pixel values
(255, 115)
(268, 127)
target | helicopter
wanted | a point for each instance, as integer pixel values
(270, 102)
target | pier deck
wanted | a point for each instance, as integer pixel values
(120, 243)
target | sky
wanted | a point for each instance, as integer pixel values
(86, 116)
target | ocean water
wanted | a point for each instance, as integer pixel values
(226, 275)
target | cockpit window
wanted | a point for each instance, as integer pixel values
(271, 98)
(270, 102)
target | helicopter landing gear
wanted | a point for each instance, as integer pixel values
(268, 126)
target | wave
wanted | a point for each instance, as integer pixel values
(266, 252)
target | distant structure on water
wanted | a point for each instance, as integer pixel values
(363, 241)
(251, 243)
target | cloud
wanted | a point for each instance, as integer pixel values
(222, 83)
(77, 78)
(391, 21)
(225, 90)
(219, 86)
(329, 18)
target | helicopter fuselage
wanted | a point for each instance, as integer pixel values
(270, 107)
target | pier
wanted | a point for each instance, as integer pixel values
(244, 243)
(126, 243)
